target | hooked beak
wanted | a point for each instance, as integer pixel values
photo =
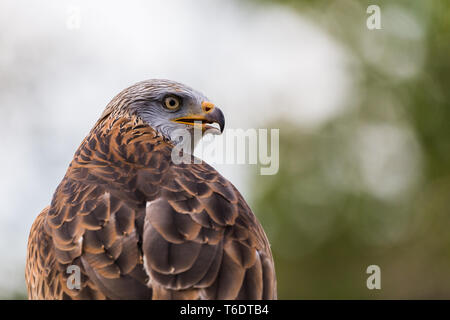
(211, 119)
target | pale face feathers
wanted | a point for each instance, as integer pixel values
(168, 107)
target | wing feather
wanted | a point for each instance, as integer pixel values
(140, 226)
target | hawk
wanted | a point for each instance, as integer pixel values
(137, 225)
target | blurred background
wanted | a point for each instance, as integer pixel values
(364, 119)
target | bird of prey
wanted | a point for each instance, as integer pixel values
(138, 225)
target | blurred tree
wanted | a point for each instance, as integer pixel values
(373, 186)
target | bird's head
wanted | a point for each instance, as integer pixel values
(168, 107)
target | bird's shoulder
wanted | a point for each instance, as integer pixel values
(122, 201)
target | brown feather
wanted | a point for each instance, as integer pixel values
(140, 226)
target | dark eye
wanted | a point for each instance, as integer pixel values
(172, 102)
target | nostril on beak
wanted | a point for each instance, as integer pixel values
(207, 106)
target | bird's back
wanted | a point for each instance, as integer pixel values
(139, 226)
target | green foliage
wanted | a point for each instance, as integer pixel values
(326, 212)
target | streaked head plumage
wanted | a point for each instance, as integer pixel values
(167, 106)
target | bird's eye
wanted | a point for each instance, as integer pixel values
(172, 103)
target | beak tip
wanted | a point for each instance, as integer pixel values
(220, 119)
